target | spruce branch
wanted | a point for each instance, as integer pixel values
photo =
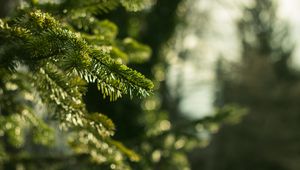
(70, 52)
(46, 56)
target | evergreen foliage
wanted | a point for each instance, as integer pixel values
(48, 54)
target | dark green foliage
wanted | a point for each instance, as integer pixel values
(46, 64)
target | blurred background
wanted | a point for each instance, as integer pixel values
(207, 55)
(212, 54)
(244, 53)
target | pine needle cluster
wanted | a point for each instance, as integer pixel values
(49, 52)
